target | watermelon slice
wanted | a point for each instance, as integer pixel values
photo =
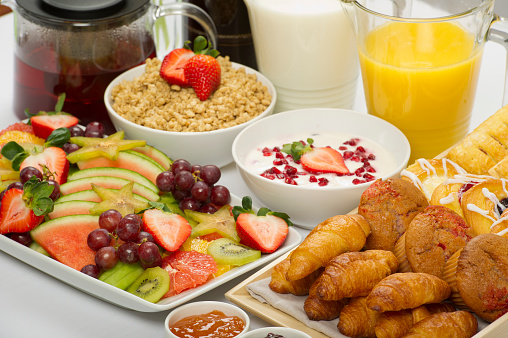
(71, 208)
(64, 238)
(156, 155)
(127, 159)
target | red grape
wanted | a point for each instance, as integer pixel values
(106, 258)
(184, 180)
(200, 191)
(128, 253)
(76, 131)
(189, 203)
(144, 236)
(149, 254)
(210, 174)
(98, 239)
(180, 165)
(23, 238)
(208, 208)
(165, 181)
(91, 270)
(27, 172)
(220, 195)
(70, 147)
(94, 129)
(55, 194)
(109, 220)
(128, 229)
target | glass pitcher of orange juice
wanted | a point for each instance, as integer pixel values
(420, 62)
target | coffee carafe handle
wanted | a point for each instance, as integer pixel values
(189, 10)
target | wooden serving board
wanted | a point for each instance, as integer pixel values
(241, 296)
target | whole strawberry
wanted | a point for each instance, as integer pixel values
(203, 71)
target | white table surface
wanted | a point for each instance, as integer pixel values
(35, 304)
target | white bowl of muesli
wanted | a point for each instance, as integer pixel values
(315, 163)
(175, 121)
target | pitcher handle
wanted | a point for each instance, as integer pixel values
(190, 10)
(498, 32)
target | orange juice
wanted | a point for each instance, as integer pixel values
(422, 78)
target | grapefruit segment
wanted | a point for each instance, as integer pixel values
(65, 239)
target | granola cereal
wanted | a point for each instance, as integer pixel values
(150, 101)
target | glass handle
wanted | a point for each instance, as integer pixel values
(191, 11)
(498, 33)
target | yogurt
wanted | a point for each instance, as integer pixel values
(366, 160)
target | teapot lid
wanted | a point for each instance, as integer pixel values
(80, 10)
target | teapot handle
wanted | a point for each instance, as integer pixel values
(189, 10)
(498, 32)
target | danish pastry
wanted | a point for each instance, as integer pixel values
(426, 175)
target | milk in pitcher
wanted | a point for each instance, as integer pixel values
(307, 49)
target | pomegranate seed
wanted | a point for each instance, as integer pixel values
(276, 149)
(357, 181)
(290, 181)
(348, 154)
(280, 176)
(342, 148)
(280, 161)
(278, 154)
(269, 176)
(355, 158)
(289, 170)
(312, 179)
(359, 171)
(370, 169)
(322, 182)
(369, 177)
(371, 157)
(360, 149)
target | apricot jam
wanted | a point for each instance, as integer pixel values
(213, 324)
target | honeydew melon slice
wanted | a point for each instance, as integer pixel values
(90, 195)
(65, 239)
(107, 182)
(114, 172)
(127, 159)
(156, 155)
(71, 208)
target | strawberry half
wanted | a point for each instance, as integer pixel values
(323, 160)
(51, 162)
(203, 72)
(265, 231)
(45, 123)
(172, 66)
(169, 230)
(23, 210)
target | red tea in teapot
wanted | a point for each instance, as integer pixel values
(41, 75)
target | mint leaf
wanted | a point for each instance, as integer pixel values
(11, 149)
(58, 138)
(297, 149)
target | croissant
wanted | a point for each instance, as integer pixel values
(394, 324)
(445, 324)
(335, 235)
(406, 291)
(357, 320)
(299, 287)
(318, 309)
(354, 274)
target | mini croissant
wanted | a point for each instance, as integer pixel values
(332, 237)
(357, 320)
(354, 274)
(445, 324)
(318, 309)
(406, 291)
(299, 287)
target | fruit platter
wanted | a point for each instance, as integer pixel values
(71, 211)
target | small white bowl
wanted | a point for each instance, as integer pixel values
(210, 147)
(197, 308)
(286, 332)
(308, 206)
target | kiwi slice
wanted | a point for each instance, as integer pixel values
(122, 275)
(228, 252)
(151, 285)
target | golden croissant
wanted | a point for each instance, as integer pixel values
(299, 287)
(318, 309)
(328, 239)
(354, 274)
(357, 320)
(445, 324)
(406, 291)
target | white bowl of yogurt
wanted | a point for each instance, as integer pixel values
(371, 149)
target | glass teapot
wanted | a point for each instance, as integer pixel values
(78, 47)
